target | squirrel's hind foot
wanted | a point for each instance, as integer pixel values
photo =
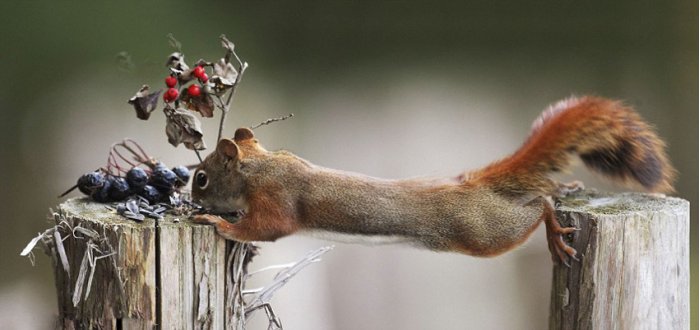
(561, 252)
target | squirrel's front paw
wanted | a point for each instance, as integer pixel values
(206, 219)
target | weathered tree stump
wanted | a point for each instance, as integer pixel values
(634, 267)
(169, 274)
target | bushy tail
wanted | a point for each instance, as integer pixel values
(611, 139)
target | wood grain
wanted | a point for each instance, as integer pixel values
(173, 267)
(634, 268)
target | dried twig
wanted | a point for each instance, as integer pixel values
(272, 120)
(242, 66)
(262, 296)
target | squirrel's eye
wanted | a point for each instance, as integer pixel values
(201, 179)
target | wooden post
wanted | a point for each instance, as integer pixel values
(634, 268)
(116, 273)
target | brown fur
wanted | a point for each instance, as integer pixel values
(483, 213)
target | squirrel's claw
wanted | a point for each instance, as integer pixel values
(561, 251)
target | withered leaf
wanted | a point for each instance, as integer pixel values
(227, 43)
(183, 127)
(204, 103)
(225, 71)
(202, 62)
(144, 102)
(225, 75)
(176, 62)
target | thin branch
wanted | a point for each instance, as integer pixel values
(272, 267)
(144, 157)
(241, 69)
(282, 278)
(272, 120)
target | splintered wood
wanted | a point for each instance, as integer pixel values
(108, 268)
(634, 267)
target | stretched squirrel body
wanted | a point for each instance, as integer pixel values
(483, 213)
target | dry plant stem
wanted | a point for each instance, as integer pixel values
(272, 120)
(242, 66)
(139, 156)
(263, 296)
(237, 265)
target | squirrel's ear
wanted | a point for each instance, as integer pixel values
(243, 134)
(227, 148)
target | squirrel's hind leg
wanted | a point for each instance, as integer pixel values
(561, 252)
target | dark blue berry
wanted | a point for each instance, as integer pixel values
(120, 189)
(159, 166)
(90, 182)
(137, 178)
(151, 194)
(183, 175)
(163, 179)
(102, 195)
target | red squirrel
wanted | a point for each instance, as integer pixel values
(484, 212)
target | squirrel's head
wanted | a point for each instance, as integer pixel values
(219, 182)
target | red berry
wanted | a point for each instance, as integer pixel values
(170, 81)
(198, 71)
(203, 78)
(194, 90)
(170, 95)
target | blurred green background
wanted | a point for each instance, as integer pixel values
(388, 88)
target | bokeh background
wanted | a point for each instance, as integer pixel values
(391, 89)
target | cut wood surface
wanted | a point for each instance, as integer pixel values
(634, 266)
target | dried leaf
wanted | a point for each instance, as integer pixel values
(204, 103)
(144, 102)
(227, 43)
(224, 77)
(176, 62)
(202, 62)
(183, 127)
(31, 245)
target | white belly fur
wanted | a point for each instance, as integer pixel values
(354, 238)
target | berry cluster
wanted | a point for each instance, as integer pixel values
(194, 90)
(154, 187)
(189, 89)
